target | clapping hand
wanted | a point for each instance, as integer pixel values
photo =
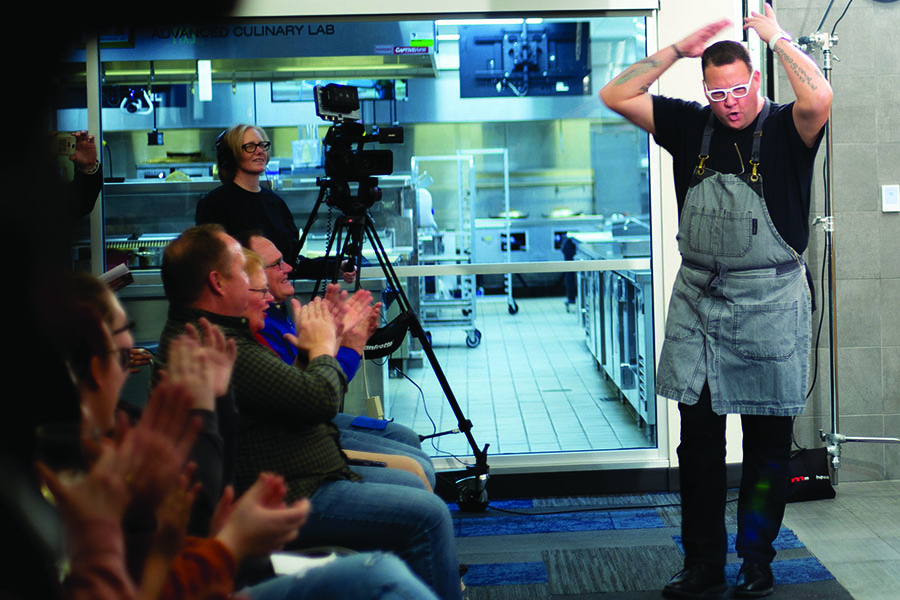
(348, 311)
(368, 321)
(260, 522)
(316, 331)
(221, 353)
(189, 366)
(155, 451)
(135, 471)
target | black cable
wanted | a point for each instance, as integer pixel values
(815, 373)
(821, 321)
(822, 288)
(328, 234)
(431, 419)
(109, 158)
(465, 492)
(833, 29)
(825, 16)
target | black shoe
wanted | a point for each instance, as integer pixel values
(696, 581)
(754, 580)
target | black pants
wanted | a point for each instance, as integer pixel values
(763, 492)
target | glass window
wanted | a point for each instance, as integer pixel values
(517, 207)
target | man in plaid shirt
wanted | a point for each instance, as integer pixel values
(285, 419)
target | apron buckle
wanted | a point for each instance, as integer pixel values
(700, 167)
(754, 176)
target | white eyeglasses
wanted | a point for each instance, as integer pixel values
(738, 91)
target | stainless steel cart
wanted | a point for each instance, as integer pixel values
(449, 300)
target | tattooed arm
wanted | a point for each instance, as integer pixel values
(813, 92)
(627, 93)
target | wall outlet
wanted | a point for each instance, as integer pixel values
(890, 198)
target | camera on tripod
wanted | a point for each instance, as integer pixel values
(345, 159)
(345, 162)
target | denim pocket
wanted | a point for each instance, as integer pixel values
(682, 321)
(719, 232)
(765, 331)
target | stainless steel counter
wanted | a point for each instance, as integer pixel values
(616, 308)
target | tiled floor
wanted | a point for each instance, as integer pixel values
(856, 536)
(530, 385)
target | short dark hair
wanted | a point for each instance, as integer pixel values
(244, 237)
(189, 259)
(724, 53)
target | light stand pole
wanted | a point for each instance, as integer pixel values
(826, 42)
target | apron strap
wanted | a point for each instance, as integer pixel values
(704, 145)
(757, 138)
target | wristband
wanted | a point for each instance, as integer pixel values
(781, 35)
(92, 170)
(678, 53)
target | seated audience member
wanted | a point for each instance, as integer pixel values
(356, 434)
(138, 479)
(285, 418)
(257, 306)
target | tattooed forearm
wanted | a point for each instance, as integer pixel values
(636, 70)
(802, 75)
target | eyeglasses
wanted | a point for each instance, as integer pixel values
(264, 291)
(124, 356)
(124, 353)
(250, 147)
(277, 264)
(738, 91)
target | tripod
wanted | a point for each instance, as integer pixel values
(358, 226)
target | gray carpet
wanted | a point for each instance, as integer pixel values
(604, 554)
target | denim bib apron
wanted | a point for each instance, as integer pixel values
(739, 316)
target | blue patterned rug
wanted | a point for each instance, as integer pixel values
(623, 547)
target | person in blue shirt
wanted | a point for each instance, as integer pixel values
(356, 433)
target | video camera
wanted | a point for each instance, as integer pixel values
(344, 162)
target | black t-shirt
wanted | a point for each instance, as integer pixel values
(786, 163)
(238, 211)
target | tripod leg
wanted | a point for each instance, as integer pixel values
(416, 330)
(352, 250)
(312, 218)
(337, 234)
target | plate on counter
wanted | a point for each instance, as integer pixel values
(513, 214)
